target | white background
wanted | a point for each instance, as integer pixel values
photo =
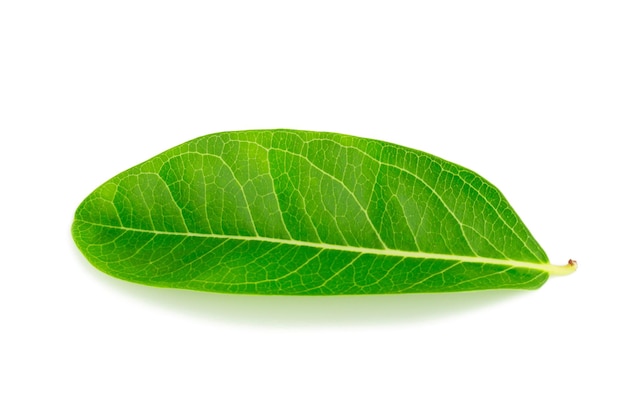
(530, 94)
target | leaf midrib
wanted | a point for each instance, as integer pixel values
(551, 269)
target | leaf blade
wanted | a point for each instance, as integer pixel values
(347, 215)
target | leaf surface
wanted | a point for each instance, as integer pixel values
(298, 212)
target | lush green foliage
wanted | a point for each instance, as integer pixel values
(298, 212)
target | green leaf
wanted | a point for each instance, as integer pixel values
(298, 212)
